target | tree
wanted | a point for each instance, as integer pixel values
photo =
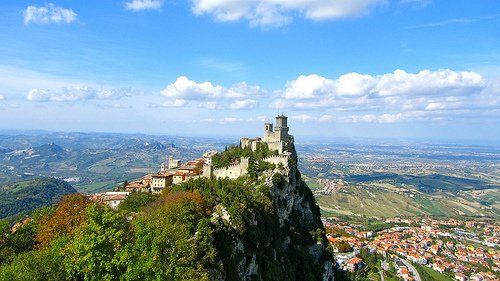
(69, 214)
(35, 265)
(97, 249)
(136, 200)
(343, 247)
(20, 241)
(123, 186)
(173, 240)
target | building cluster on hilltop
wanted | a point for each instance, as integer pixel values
(174, 172)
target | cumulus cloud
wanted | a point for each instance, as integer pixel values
(394, 96)
(48, 14)
(352, 97)
(141, 5)
(301, 117)
(238, 96)
(281, 12)
(243, 104)
(76, 93)
(353, 90)
(2, 97)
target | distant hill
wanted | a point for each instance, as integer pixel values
(28, 195)
(426, 183)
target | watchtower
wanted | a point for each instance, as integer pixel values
(268, 131)
(281, 129)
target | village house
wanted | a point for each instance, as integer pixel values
(354, 264)
(114, 198)
(160, 181)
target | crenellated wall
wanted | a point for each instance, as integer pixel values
(232, 171)
(278, 159)
(237, 170)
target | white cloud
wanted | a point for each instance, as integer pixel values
(76, 93)
(209, 105)
(2, 97)
(440, 94)
(183, 87)
(354, 90)
(175, 103)
(326, 118)
(121, 106)
(308, 87)
(454, 21)
(371, 118)
(227, 120)
(417, 3)
(48, 14)
(141, 5)
(243, 104)
(281, 12)
(301, 117)
(238, 96)
(427, 83)
(354, 84)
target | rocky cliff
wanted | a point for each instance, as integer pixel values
(284, 240)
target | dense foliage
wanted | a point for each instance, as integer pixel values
(233, 154)
(26, 196)
(136, 200)
(190, 232)
(203, 229)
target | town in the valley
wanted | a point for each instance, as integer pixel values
(442, 249)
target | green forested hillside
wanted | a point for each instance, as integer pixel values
(263, 226)
(25, 196)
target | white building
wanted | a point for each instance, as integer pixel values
(113, 198)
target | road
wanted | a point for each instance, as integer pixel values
(412, 269)
(382, 275)
(384, 267)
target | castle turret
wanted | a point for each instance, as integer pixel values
(173, 163)
(281, 129)
(268, 131)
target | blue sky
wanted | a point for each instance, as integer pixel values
(361, 68)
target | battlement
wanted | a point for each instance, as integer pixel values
(232, 171)
(227, 167)
(276, 137)
(278, 159)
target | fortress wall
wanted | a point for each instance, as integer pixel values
(232, 171)
(276, 145)
(276, 160)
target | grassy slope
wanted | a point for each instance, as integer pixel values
(386, 203)
(28, 195)
(428, 274)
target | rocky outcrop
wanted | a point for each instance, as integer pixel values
(286, 242)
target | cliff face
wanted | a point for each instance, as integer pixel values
(282, 242)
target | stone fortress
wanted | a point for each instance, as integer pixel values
(173, 172)
(276, 139)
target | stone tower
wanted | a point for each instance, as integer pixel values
(268, 131)
(281, 129)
